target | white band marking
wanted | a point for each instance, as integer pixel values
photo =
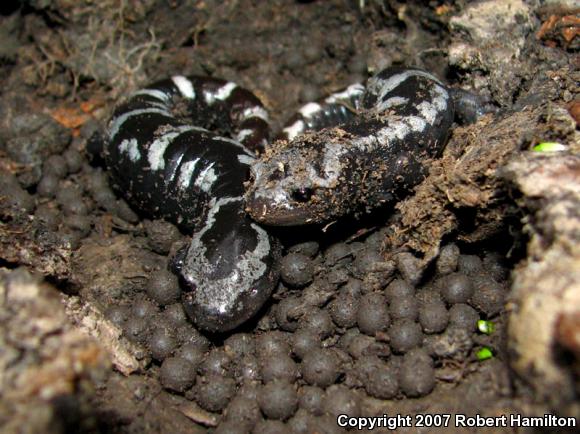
(222, 93)
(184, 85)
(131, 148)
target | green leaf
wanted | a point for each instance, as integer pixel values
(486, 327)
(549, 147)
(484, 354)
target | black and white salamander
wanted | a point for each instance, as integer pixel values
(357, 149)
(165, 160)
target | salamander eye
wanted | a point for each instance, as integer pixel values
(279, 173)
(302, 194)
(276, 175)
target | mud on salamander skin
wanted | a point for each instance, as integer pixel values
(168, 155)
(403, 117)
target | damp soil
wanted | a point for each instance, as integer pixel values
(375, 314)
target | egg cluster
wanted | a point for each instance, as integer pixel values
(346, 324)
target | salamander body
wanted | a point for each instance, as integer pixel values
(165, 160)
(183, 149)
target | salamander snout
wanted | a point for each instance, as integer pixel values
(281, 192)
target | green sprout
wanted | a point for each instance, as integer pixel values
(486, 327)
(484, 354)
(549, 147)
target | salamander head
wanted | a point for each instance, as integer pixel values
(294, 186)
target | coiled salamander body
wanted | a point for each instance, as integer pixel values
(165, 160)
(355, 150)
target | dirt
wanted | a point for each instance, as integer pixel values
(63, 67)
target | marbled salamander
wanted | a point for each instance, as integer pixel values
(167, 162)
(403, 117)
